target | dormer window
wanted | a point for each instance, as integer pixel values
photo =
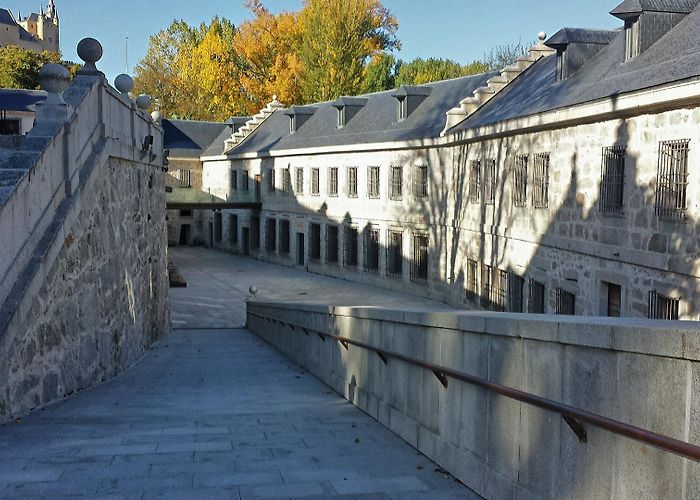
(347, 108)
(631, 38)
(292, 124)
(408, 98)
(298, 115)
(576, 46)
(341, 117)
(403, 109)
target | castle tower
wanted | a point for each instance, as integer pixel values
(45, 27)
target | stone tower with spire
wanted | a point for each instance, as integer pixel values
(44, 27)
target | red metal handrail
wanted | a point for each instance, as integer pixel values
(665, 443)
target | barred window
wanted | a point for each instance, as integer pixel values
(315, 243)
(184, 178)
(419, 261)
(350, 253)
(515, 292)
(234, 180)
(299, 180)
(565, 302)
(333, 181)
(489, 188)
(271, 180)
(255, 232)
(373, 182)
(540, 181)
(270, 234)
(535, 302)
(352, 182)
(284, 236)
(672, 179)
(332, 244)
(244, 180)
(474, 180)
(520, 181)
(487, 284)
(663, 307)
(394, 253)
(233, 229)
(371, 253)
(315, 181)
(612, 179)
(420, 185)
(472, 279)
(218, 226)
(396, 184)
(287, 180)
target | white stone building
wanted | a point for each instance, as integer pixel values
(566, 183)
(37, 32)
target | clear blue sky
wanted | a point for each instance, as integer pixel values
(456, 29)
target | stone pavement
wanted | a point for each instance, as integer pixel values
(212, 413)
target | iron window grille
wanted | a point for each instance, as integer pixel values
(420, 186)
(234, 180)
(672, 180)
(396, 184)
(233, 229)
(315, 181)
(332, 244)
(516, 284)
(299, 180)
(540, 181)
(520, 181)
(286, 180)
(536, 297)
(10, 126)
(474, 181)
(352, 182)
(255, 232)
(244, 180)
(663, 307)
(489, 182)
(472, 289)
(350, 249)
(270, 234)
(284, 236)
(394, 253)
(419, 260)
(315, 243)
(333, 181)
(612, 180)
(271, 180)
(184, 178)
(371, 250)
(373, 182)
(486, 285)
(565, 302)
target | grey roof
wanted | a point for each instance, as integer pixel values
(20, 100)
(216, 147)
(349, 101)
(189, 138)
(566, 36)
(637, 6)
(674, 57)
(300, 110)
(6, 17)
(375, 122)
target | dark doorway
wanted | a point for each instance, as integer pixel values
(185, 234)
(210, 241)
(300, 249)
(246, 241)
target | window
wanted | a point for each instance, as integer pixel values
(373, 182)
(10, 126)
(184, 178)
(419, 261)
(333, 181)
(566, 302)
(396, 183)
(520, 181)
(420, 187)
(218, 226)
(494, 288)
(515, 292)
(233, 229)
(315, 181)
(284, 236)
(540, 181)
(472, 279)
(271, 180)
(350, 254)
(613, 299)
(662, 307)
(270, 234)
(352, 182)
(535, 303)
(332, 244)
(371, 253)
(672, 180)
(403, 109)
(299, 180)
(612, 179)
(489, 189)
(244, 179)
(632, 45)
(315, 237)
(287, 180)
(255, 232)
(474, 180)
(394, 253)
(341, 117)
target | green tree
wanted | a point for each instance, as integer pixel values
(380, 74)
(19, 68)
(421, 71)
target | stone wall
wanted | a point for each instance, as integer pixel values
(640, 372)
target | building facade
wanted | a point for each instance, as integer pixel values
(38, 32)
(564, 184)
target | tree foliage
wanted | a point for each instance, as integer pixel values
(504, 55)
(19, 68)
(421, 71)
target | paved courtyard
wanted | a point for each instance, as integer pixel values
(214, 413)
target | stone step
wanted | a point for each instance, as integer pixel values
(510, 72)
(524, 62)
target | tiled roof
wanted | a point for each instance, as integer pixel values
(20, 100)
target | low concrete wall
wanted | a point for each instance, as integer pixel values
(641, 372)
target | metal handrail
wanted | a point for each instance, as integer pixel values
(571, 414)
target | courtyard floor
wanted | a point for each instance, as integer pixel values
(212, 412)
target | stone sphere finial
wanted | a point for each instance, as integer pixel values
(156, 116)
(274, 97)
(143, 102)
(54, 79)
(253, 290)
(541, 36)
(124, 84)
(90, 51)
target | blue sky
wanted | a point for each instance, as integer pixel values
(456, 29)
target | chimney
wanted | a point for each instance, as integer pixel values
(576, 46)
